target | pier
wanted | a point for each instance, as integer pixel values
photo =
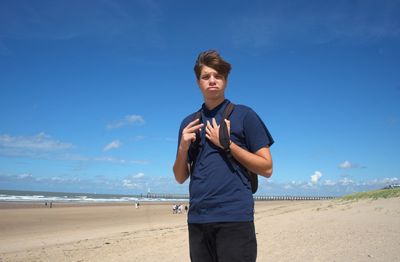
(256, 197)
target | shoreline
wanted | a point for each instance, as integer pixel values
(58, 204)
(41, 204)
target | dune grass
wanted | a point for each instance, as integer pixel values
(374, 194)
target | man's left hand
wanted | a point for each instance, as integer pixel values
(212, 131)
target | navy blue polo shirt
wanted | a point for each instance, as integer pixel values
(219, 193)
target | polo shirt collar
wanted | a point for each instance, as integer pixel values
(215, 110)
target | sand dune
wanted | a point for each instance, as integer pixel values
(367, 230)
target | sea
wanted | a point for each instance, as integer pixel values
(67, 197)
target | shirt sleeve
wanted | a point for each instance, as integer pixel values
(256, 133)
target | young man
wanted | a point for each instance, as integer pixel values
(220, 218)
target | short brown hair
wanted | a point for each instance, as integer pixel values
(211, 58)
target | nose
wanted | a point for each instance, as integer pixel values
(212, 79)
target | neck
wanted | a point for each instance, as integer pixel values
(211, 104)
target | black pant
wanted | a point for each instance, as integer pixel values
(223, 242)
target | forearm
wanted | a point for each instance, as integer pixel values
(181, 169)
(259, 162)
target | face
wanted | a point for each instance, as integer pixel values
(212, 84)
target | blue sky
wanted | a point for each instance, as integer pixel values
(92, 93)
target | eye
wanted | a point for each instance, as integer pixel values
(218, 76)
(205, 77)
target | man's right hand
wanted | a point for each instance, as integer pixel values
(189, 134)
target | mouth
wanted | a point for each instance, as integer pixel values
(212, 88)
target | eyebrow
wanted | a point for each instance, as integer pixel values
(209, 73)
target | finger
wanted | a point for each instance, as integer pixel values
(193, 123)
(214, 122)
(208, 128)
(189, 137)
(194, 128)
(228, 124)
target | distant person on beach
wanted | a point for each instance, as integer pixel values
(220, 217)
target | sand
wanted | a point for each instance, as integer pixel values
(367, 230)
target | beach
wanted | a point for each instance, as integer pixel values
(323, 230)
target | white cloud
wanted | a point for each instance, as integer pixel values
(42, 146)
(131, 185)
(138, 175)
(25, 176)
(57, 179)
(345, 165)
(316, 177)
(329, 182)
(346, 181)
(41, 142)
(118, 160)
(328, 187)
(140, 183)
(113, 145)
(135, 181)
(287, 186)
(127, 120)
(34, 179)
(110, 159)
(38, 146)
(348, 165)
(384, 181)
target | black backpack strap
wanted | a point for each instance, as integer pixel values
(224, 139)
(194, 148)
(224, 136)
